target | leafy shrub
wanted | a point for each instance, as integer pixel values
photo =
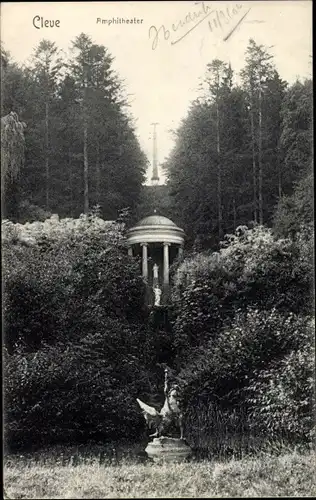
(63, 279)
(281, 398)
(76, 331)
(31, 213)
(249, 342)
(296, 211)
(35, 293)
(221, 372)
(252, 269)
(54, 230)
(78, 391)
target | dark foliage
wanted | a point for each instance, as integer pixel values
(48, 95)
(253, 269)
(79, 345)
(247, 380)
(240, 149)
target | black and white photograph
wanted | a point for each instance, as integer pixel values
(157, 200)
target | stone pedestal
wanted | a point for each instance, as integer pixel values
(165, 449)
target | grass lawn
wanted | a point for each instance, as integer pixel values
(287, 475)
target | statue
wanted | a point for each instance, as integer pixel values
(163, 447)
(157, 293)
(155, 271)
(170, 412)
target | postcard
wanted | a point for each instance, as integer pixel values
(157, 237)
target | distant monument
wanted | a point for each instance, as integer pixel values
(164, 447)
(155, 176)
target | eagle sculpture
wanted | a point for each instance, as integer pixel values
(170, 412)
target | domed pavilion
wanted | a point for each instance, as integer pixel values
(158, 241)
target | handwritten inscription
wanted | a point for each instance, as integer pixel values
(217, 19)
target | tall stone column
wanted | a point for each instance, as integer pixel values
(166, 263)
(144, 260)
(130, 251)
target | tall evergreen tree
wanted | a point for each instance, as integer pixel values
(116, 166)
(296, 139)
(257, 72)
(272, 161)
(216, 72)
(47, 66)
(237, 151)
(81, 146)
(206, 169)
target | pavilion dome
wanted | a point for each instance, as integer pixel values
(156, 220)
(155, 229)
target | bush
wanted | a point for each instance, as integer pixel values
(296, 211)
(31, 213)
(78, 391)
(220, 373)
(281, 398)
(252, 269)
(61, 282)
(76, 331)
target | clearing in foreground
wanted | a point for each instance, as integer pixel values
(288, 475)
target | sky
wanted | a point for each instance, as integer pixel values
(163, 56)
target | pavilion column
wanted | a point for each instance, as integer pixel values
(166, 263)
(130, 251)
(144, 260)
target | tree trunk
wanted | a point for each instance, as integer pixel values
(46, 156)
(70, 182)
(260, 158)
(254, 176)
(279, 177)
(234, 213)
(219, 176)
(98, 174)
(85, 155)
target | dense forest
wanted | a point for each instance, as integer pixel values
(80, 141)
(244, 147)
(241, 150)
